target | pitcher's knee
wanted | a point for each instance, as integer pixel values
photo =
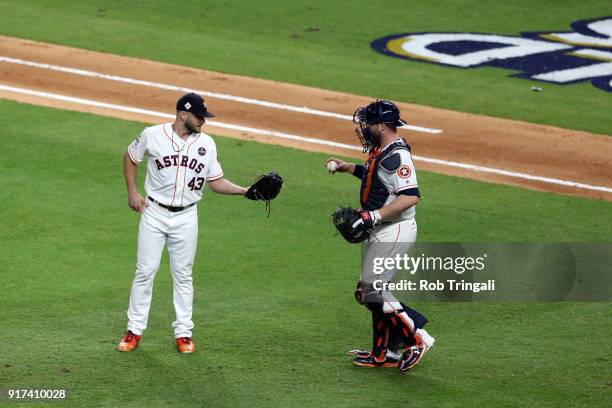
(183, 278)
(145, 273)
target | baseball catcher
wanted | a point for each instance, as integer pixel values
(385, 226)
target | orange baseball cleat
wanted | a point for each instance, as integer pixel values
(129, 342)
(185, 345)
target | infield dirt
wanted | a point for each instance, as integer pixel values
(467, 138)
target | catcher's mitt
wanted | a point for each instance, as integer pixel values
(354, 225)
(265, 188)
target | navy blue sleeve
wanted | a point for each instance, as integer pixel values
(359, 171)
(410, 192)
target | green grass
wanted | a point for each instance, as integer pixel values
(326, 44)
(273, 296)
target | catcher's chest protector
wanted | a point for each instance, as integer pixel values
(374, 194)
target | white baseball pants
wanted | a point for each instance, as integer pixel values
(179, 230)
(387, 241)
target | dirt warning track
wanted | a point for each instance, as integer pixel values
(478, 147)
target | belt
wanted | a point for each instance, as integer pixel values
(169, 208)
(392, 221)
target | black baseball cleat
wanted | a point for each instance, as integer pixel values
(411, 357)
(371, 362)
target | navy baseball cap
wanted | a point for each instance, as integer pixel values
(195, 104)
(383, 111)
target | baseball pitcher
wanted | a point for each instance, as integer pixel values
(181, 162)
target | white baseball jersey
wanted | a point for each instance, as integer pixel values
(177, 169)
(403, 178)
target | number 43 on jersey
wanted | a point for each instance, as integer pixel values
(196, 183)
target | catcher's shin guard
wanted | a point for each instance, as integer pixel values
(380, 336)
(419, 320)
(395, 339)
(366, 295)
(394, 342)
(403, 324)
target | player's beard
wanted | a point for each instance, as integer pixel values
(375, 135)
(192, 127)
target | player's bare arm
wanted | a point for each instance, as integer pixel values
(395, 208)
(130, 171)
(224, 186)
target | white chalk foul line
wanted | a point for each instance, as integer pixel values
(240, 99)
(281, 135)
(123, 108)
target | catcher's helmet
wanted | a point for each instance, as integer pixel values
(379, 111)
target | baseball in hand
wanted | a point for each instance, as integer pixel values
(331, 166)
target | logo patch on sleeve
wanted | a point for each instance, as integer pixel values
(404, 172)
(201, 151)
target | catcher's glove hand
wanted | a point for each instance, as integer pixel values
(354, 225)
(265, 188)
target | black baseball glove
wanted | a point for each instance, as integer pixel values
(354, 225)
(265, 188)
